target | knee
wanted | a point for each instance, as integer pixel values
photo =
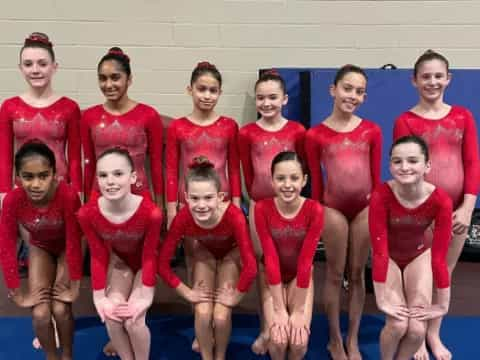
(135, 326)
(277, 348)
(416, 331)
(61, 310)
(334, 275)
(204, 313)
(41, 314)
(298, 351)
(397, 328)
(222, 317)
(356, 275)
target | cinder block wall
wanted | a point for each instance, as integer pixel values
(165, 39)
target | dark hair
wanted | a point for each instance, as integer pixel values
(117, 54)
(414, 140)
(34, 148)
(201, 169)
(288, 156)
(204, 67)
(118, 151)
(271, 75)
(38, 40)
(429, 55)
(346, 69)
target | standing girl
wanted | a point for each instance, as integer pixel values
(123, 122)
(348, 149)
(258, 143)
(42, 114)
(223, 262)
(123, 233)
(289, 227)
(203, 132)
(451, 136)
(404, 259)
(46, 210)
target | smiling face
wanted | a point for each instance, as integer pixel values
(115, 176)
(431, 80)
(288, 181)
(37, 67)
(113, 80)
(37, 178)
(269, 99)
(349, 92)
(205, 92)
(408, 164)
(203, 200)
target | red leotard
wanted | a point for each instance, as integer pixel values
(135, 240)
(230, 232)
(53, 228)
(257, 147)
(140, 131)
(399, 233)
(57, 125)
(289, 244)
(351, 161)
(217, 141)
(453, 147)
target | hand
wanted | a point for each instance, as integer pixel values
(399, 312)
(280, 329)
(461, 220)
(67, 294)
(299, 331)
(228, 296)
(200, 293)
(30, 299)
(427, 312)
(136, 307)
(106, 309)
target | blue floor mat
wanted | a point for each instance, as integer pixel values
(172, 337)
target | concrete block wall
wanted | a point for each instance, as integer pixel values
(165, 39)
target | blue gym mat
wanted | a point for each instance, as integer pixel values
(172, 337)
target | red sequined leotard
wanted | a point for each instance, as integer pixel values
(135, 241)
(257, 147)
(53, 228)
(57, 125)
(398, 232)
(289, 244)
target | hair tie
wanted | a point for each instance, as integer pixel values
(206, 65)
(119, 53)
(38, 39)
(201, 162)
(273, 72)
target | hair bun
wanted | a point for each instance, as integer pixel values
(201, 162)
(38, 38)
(206, 65)
(118, 52)
(271, 72)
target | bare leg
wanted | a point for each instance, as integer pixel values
(439, 350)
(394, 329)
(204, 268)
(296, 352)
(138, 331)
(358, 249)
(228, 272)
(418, 283)
(63, 314)
(260, 345)
(335, 238)
(41, 274)
(119, 287)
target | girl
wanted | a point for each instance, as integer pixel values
(404, 259)
(45, 208)
(121, 121)
(203, 132)
(451, 136)
(40, 113)
(123, 232)
(224, 266)
(289, 227)
(345, 147)
(258, 144)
